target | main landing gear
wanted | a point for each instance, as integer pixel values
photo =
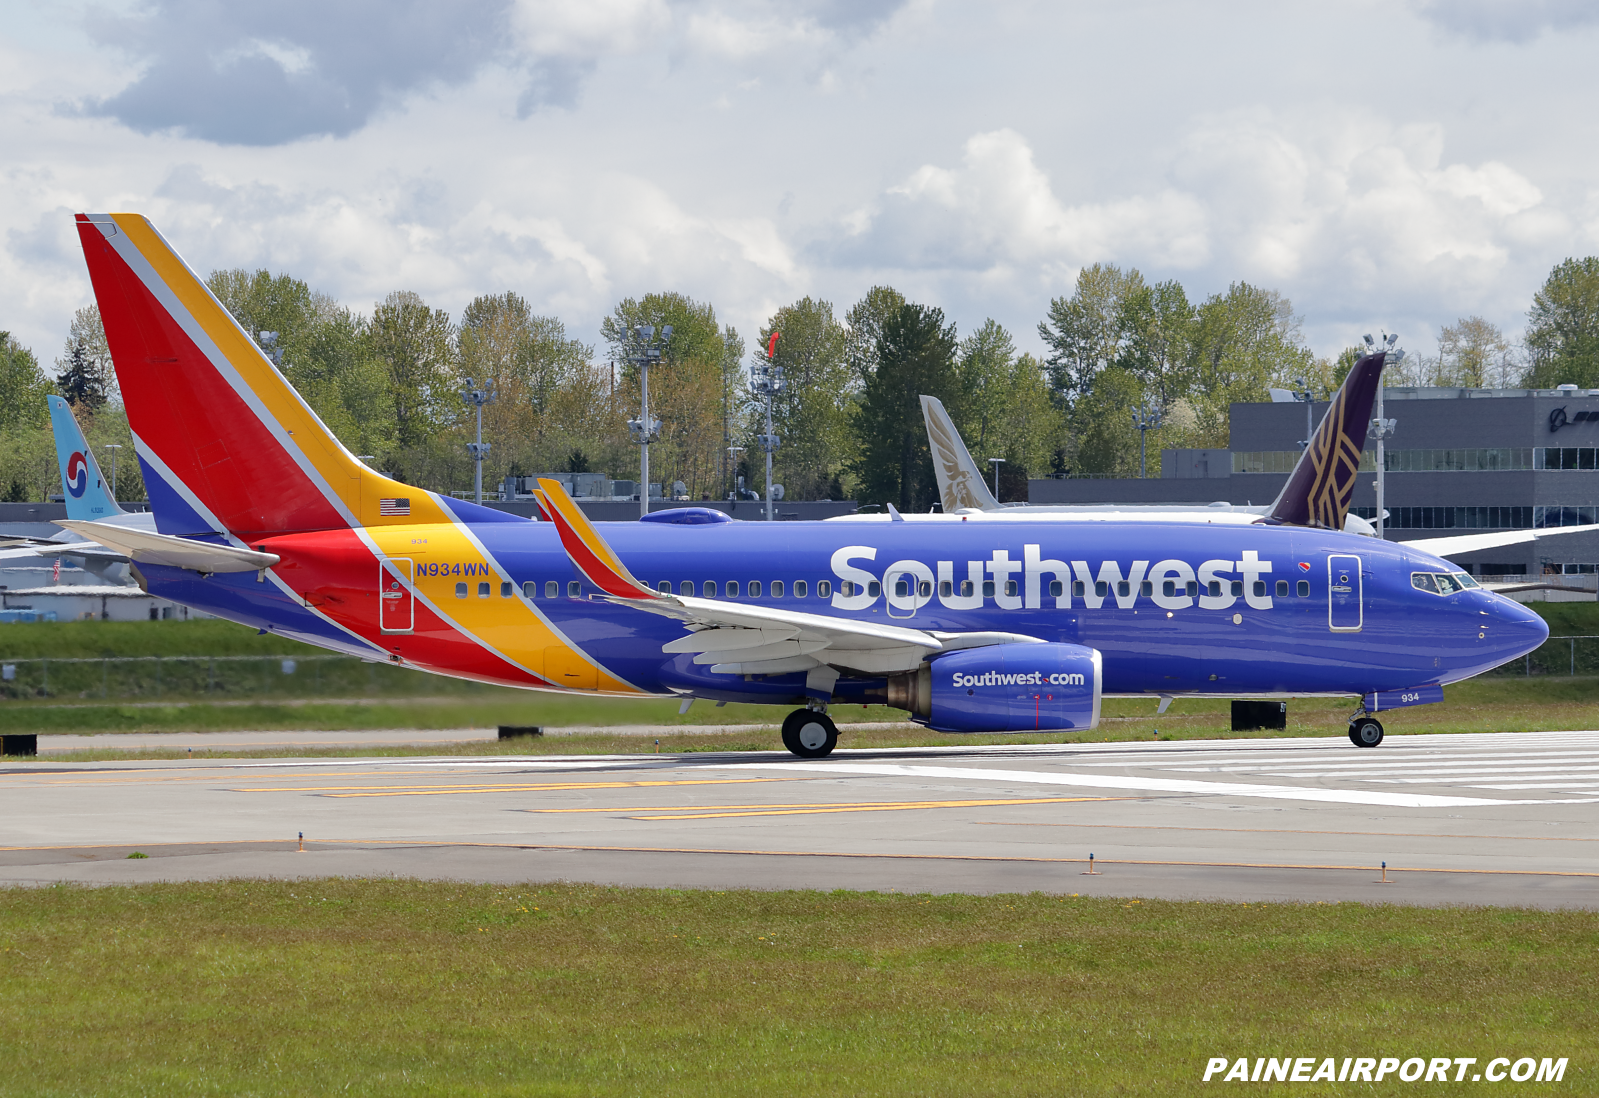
(810, 734)
(1365, 731)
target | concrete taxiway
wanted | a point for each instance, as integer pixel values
(1504, 819)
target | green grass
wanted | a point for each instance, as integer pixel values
(423, 988)
(94, 639)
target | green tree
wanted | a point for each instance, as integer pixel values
(416, 346)
(79, 380)
(23, 387)
(1563, 327)
(812, 413)
(915, 355)
(1244, 341)
(1085, 332)
(1102, 425)
(864, 326)
(1156, 325)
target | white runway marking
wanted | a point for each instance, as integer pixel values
(1147, 785)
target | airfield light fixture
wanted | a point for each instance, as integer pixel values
(767, 379)
(1146, 417)
(996, 463)
(1383, 429)
(1309, 398)
(113, 447)
(646, 428)
(479, 449)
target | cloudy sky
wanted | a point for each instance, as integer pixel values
(1384, 164)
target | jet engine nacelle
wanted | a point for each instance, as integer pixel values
(1005, 688)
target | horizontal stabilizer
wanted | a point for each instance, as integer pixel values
(146, 547)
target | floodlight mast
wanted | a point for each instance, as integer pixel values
(996, 463)
(479, 449)
(1382, 429)
(768, 380)
(113, 447)
(645, 430)
(1145, 418)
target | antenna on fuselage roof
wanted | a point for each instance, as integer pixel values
(1319, 490)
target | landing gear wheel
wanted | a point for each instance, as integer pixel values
(809, 734)
(1365, 732)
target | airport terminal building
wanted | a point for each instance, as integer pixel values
(1459, 460)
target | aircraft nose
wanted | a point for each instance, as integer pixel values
(1517, 630)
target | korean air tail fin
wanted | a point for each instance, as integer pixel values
(960, 482)
(1319, 489)
(225, 443)
(87, 495)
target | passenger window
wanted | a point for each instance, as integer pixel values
(574, 588)
(530, 590)
(483, 590)
(777, 589)
(1011, 588)
(755, 589)
(966, 589)
(1191, 588)
(847, 589)
(1147, 588)
(945, 589)
(551, 589)
(988, 589)
(505, 589)
(1055, 588)
(665, 587)
(824, 589)
(1169, 589)
(924, 589)
(1282, 588)
(1260, 588)
(460, 590)
(1238, 588)
(708, 589)
(686, 587)
(874, 589)
(732, 589)
(1215, 589)
(1077, 588)
(1101, 588)
(1123, 589)
(902, 588)
(799, 589)
(1304, 589)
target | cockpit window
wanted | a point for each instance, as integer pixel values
(1424, 581)
(1464, 580)
(1448, 585)
(1441, 583)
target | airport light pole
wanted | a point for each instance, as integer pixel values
(768, 381)
(479, 449)
(1145, 419)
(996, 463)
(113, 447)
(1383, 429)
(1309, 398)
(646, 429)
(732, 457)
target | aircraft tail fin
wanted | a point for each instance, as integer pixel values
(88, 497)
(1322, 484)
(960, 482)
(584, 545)
(225, 443)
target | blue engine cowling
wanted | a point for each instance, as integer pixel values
(1014, 688)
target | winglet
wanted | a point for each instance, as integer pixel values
(1319, 489)
(595, 559)
(960, 484)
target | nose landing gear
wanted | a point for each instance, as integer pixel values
(1365, 731)
(810, 734)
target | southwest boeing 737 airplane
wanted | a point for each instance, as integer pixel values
(264, 517)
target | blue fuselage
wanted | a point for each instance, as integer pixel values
(1230, 611)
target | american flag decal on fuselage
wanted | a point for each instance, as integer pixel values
(394, 507)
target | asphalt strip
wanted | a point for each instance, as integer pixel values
(1155, 785)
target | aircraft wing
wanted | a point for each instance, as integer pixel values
(744, 639)
(1470, 543)
(148, 547)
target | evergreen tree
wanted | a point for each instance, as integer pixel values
(915, 354)
(80, 382)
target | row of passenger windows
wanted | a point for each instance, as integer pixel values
(902, 589)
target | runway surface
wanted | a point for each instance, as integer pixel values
(1506, 819)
